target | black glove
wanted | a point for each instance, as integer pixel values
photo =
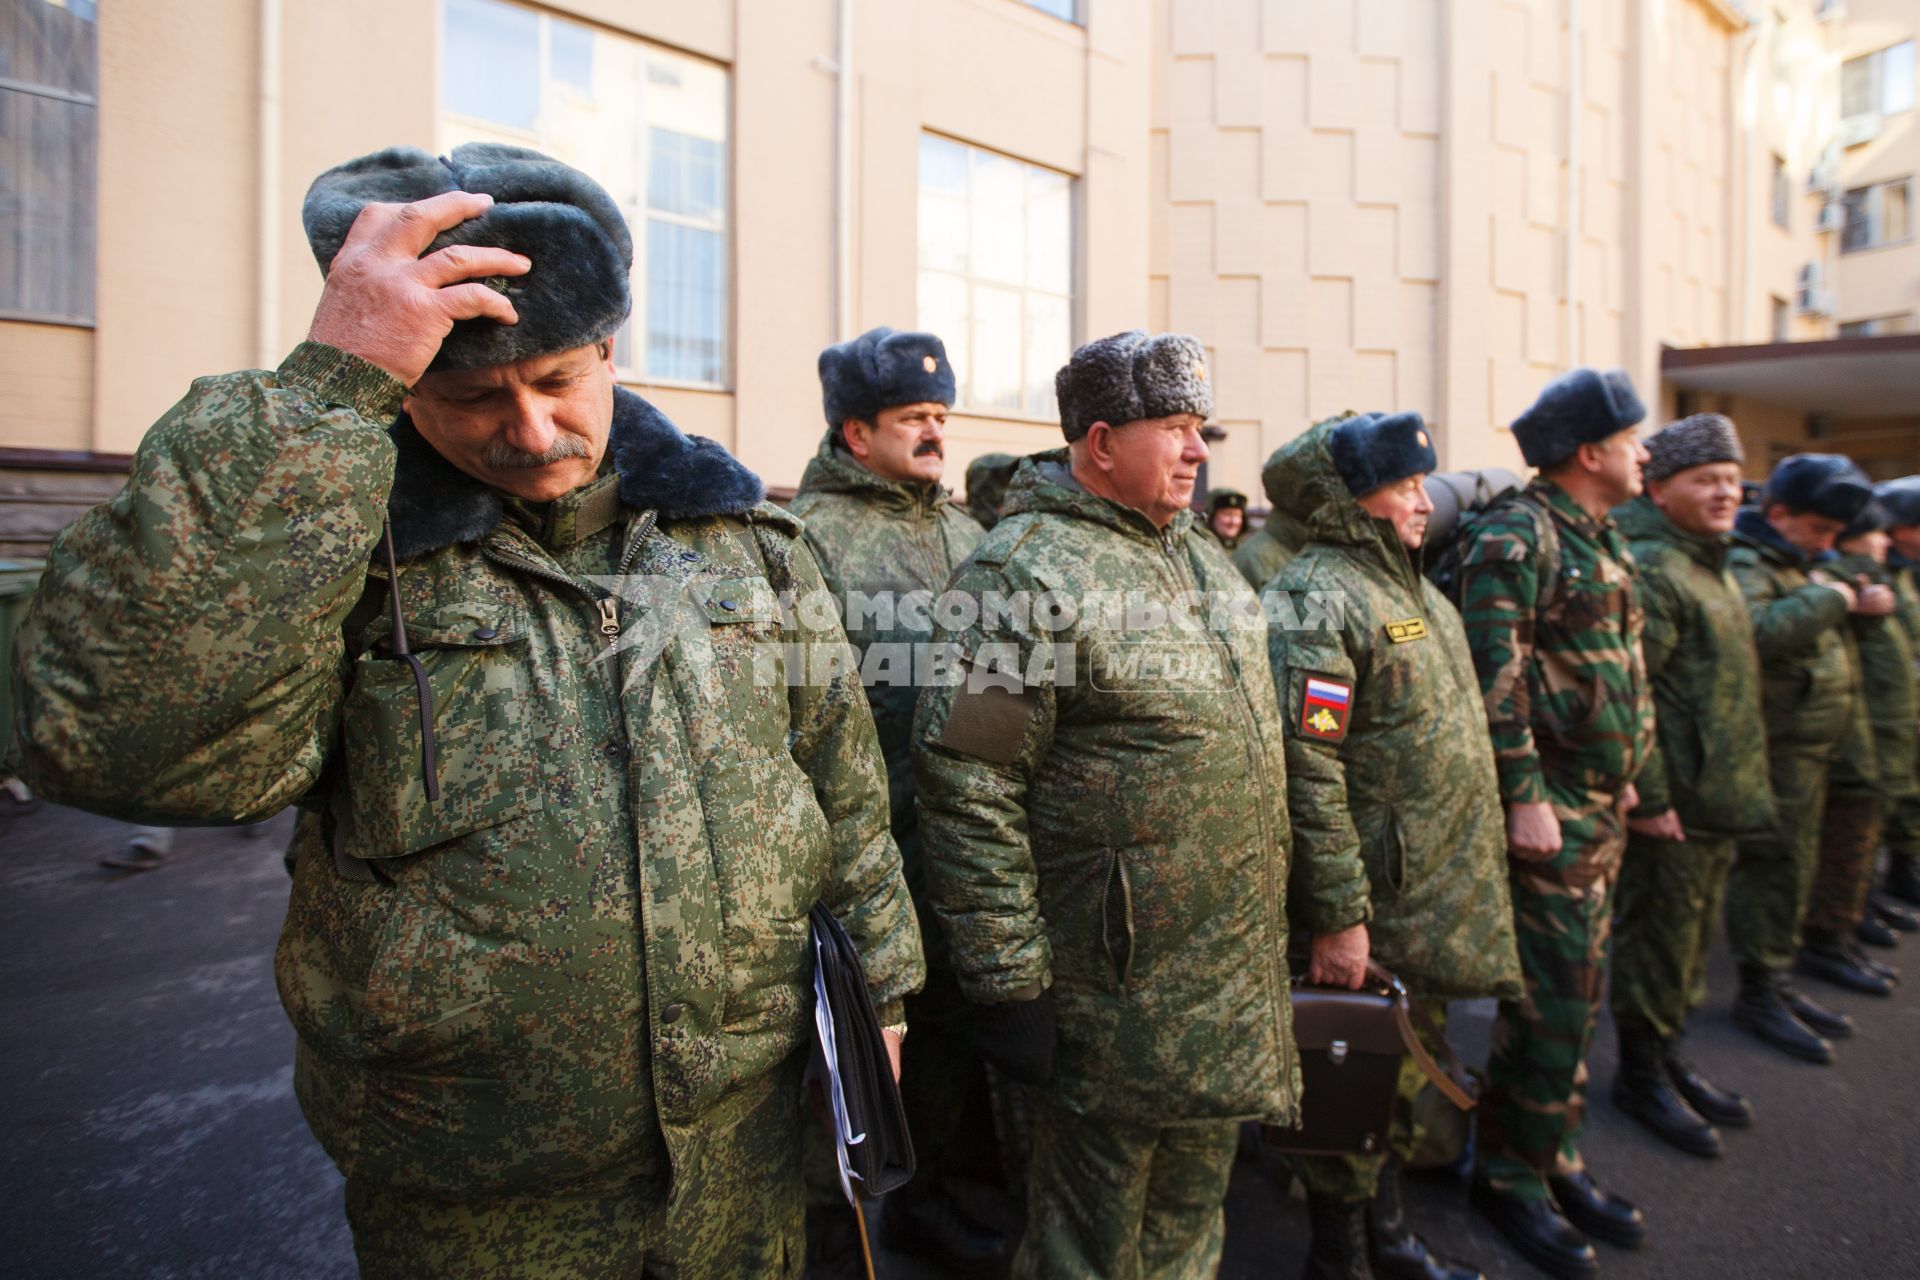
(1017, 1037)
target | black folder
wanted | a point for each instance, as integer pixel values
(871, 1127)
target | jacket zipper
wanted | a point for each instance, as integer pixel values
(608, 603)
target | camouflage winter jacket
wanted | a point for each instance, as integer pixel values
(1390, 782)
(886, 540)
(1558, 657)
(1266, 550)
(1109, 818)
(1887, 710)
(1709, 761)
(1806, 685)
(570, 966)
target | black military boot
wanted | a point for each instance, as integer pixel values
(929, 1222)
(1893, 913)
(1722, 1106)
(1868, 963)
(1903, 879)
(1339, 1248)
(1821, 956)
(1830, 1023)
(1874, 932)
(1392, 1247)
(1600, 1214)
(1761, 1008)
(1538, 1230)
(1641, 1089)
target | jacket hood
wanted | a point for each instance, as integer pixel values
(434, 504)
(1639, 518)
(834, 470)
(1301, 477)
(1044, 485)
(1751, 526)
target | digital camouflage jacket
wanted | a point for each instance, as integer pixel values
(568, 968)
(1395, 806)
(1266, 550)
(884, 538)
(1887, 710)
(1709, 761)
(1558, 658)
(1115, 825)
(1806, 683)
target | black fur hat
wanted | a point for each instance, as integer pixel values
(1826, 484)
(1901, 498)
(880, 369)
(1872, 516)
(1371, 450)
(1582, 407)
(1132, 376)
(578, 291)
(1218, 499)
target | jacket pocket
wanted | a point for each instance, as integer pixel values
(485, 739)
(1387, 855)
(1116, 919)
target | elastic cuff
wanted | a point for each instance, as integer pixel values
(345, 380)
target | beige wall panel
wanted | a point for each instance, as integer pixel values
(1024, 88)
(47, 373)
(1283, 398)
(711, 414)
(176, 207)
(706, 29)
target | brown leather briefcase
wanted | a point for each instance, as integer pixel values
(1351, 1045)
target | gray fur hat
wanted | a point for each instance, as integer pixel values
(1827, 484)
(1693, 441)
(1901, 498)
(578, 291)
(1371, 450)
(1132, 376)
(1584, 406)
(880, 369)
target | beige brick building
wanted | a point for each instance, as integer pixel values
(1372, 204)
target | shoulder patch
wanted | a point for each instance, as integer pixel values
(988, 721)
(1326, 704)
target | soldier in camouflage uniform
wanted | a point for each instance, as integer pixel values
(1706, 777)
(987, 477)
(1225, 518)
(1873, 769)
(1102, 791)
(883, 528)
(1399, 842)
(1547, 591)
(547, 946)
(1266, 550)
(1799, 615)
(1901, 499)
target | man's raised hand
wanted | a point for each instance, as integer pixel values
(388, 305)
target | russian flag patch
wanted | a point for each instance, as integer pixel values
(1324, 707)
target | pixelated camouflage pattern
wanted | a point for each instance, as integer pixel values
(1849, 842)
(1901, 831)
(1264, 552)
(1568, 703)
(1772, 875)
(1131, 851)
(1399, 822)
(1665, 904)
(1888, 706)
(1535, 1104)
(1709, 761)
(735, 1214)
(987, 478)
(1125, 1201)
(568, 970)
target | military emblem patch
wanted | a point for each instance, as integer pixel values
(1324, 705)
(929, 363)
(1409, 629)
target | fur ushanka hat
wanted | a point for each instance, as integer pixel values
(578, 291)
(1901, 498)
(880, 369)
(1372, 450)
(1582, 407)
(1827, 484)
(1693, 441)
(1131, 376)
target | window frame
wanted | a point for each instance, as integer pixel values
(643, 213)
(86, 240)
(1874, 62)
(1875, 201)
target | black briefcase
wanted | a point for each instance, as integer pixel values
(868, 1122)
(1351, 1045)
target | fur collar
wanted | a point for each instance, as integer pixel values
(434, 504)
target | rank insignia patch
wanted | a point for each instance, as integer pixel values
(1411, 629)
(1323, 708)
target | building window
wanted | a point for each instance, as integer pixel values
(48, 128)
(1782, 320)
(1878, 326)
(1065, 10)
(1782, 191)
(996, 273)
(1878, 83)
(649, 125)
(1878, 215)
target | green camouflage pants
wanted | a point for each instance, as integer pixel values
(1903, 827)
(1849, 839)
(736, 1212)
(1773, 874)
(1353, 1179)
(1664, 908)
(1534, 1107)
(1124, 1201)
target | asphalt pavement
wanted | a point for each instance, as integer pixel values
(152, 1132)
